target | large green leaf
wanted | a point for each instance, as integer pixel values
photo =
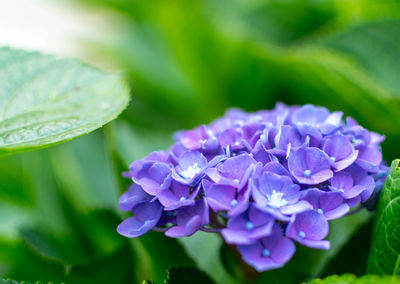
(384, 257)
(355, 252)
(10, 281)
(183, 275)
(28, 265)
(351, 279)
(46, 100)
(375, 45)
(204, 248)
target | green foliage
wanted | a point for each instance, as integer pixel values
(355, 252)
(352, 279)
(182, 275)
(47, 100)
(205, 248)
(384, 256)
(57, 237)
(190, 60)
(10, 281)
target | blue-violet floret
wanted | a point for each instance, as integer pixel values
(263, 180)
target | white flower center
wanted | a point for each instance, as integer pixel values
(276, 200)
(191, 172)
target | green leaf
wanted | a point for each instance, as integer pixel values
(355, 252)
(208, 259)
(384, 257)
(352, 279)
(154, 253)
(375, 45)
(86, 158)
(183, 275)
(10, 281)
(58, 226)
(46, 100)
(133, 143)
(26, 264)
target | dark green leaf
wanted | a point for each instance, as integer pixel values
(231, 259)
(155, 253)
(183, 275)
(27, 264)
(384, 257)
(355, 252)
(204, 248)
(46, 100)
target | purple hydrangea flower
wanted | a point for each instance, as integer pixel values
(190, 168)
(263, 180)
(248, 227)
(310, 165)
(309, 228)
(270, 252)
(278, 196)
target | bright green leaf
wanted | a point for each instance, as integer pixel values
(351, 279)
(384, 257)
(46, 100)
(375, 45)
(10, 281)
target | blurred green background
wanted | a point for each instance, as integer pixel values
(187, 62)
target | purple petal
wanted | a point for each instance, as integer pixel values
(369, 158)
(261, 154)
(133, 196)
(236, 167)
(341, 151)
(146, 217)
(242, 203)
(220, 197)
(147, 211)
(153, 177)
(188, 229)
(309, 228)
(352, 202)
(310, 114)
(270, 252)
(338, 212)
(132, 228)
(189, 158)
(309, 165)
(232, 137)
(171, 201)
(237, 237)
(342, 180)
(276, 168)
(283, 251)
(288, 135)
(296, 208)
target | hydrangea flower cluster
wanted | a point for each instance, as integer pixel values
(262, 180)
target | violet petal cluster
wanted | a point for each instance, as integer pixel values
(263, 180)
